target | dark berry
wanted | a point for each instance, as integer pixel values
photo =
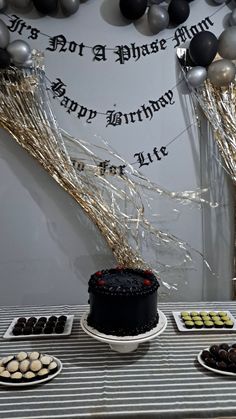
(205, 354)
(214, 349)
(222, 365)
(147, 282)
(222, 354)
(224, 346)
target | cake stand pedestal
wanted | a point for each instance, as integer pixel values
(125, 344)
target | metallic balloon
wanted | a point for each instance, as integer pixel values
(19, 51)
(3, 5)
(158, 18)
(232, 18)
(20, 4)
(221, 72)
(69, 7)
(196, 76)
(4, 35)
(227, 43)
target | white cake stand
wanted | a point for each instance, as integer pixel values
(124, 344)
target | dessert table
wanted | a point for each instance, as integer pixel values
(161, 379)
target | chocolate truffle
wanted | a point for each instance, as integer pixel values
(29, 376)
(36, 365)
(196, 318)
(198, 324)
(214, 349)
(194, 313)
(208, 323)
(52, 367)
(43, 373)
(34, 355)
(189, 324)
(17, 331)
(46, 360)
(62, 318)
(16, 376)
(21, 356)
(229, 324)
(5, 376)
(219, 324)
(184, 313)
(12, 366)
(59, 329)
(24, 365)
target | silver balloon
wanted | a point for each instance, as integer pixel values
(20, 4)
(19, 51)
(232, 18)
(3, 5)
(69, 7)
(4, 35)
(196, 76)
(158, 18)
(227, 43)
(221, 73)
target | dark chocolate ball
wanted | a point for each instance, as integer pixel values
(223, 355)
(211, 362)
(37, 330)
(224, 346)
(133, 9)
(59, 329)
(214, 349)
(221, 365)
(178, 11)
(27, 331)
(64, 318)
(205, 354)
(52, 318)
(46, 6)
(42, 319)
(48, 330)
(17, 331)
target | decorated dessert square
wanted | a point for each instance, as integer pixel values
(197, 320)
(39, 327)
(219, 358)
(28, 368)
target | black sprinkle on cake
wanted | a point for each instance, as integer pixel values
(123, 302)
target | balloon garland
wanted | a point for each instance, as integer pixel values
(45, 7)
(159, 17)
(212, 58)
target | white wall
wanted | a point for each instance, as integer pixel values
(48, 247)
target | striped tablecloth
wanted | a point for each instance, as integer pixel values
(162, 379)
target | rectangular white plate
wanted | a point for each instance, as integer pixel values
(67, 331)
(182, 328)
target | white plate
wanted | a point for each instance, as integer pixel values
(37, 382)
(67, 331)
(183, 328)
(125, 343)
(213, 369)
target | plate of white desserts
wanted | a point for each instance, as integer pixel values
(28, 369)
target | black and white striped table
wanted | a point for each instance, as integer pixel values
(162, 379)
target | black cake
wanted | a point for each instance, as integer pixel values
(123, 302)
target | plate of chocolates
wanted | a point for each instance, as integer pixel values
(39, 327)
(27, 369)
(204, 320)
(219, 358)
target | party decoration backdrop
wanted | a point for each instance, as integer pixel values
(140, 99)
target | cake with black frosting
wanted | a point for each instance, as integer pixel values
(123, 302)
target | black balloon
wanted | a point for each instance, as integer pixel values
(133, 9)
(178, 11)
(5, 58)
(203, 48)
(46, 6)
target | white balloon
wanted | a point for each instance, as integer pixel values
(19, 51)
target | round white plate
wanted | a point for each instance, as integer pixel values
(125, 343)
(213, 369)
(37, 382)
